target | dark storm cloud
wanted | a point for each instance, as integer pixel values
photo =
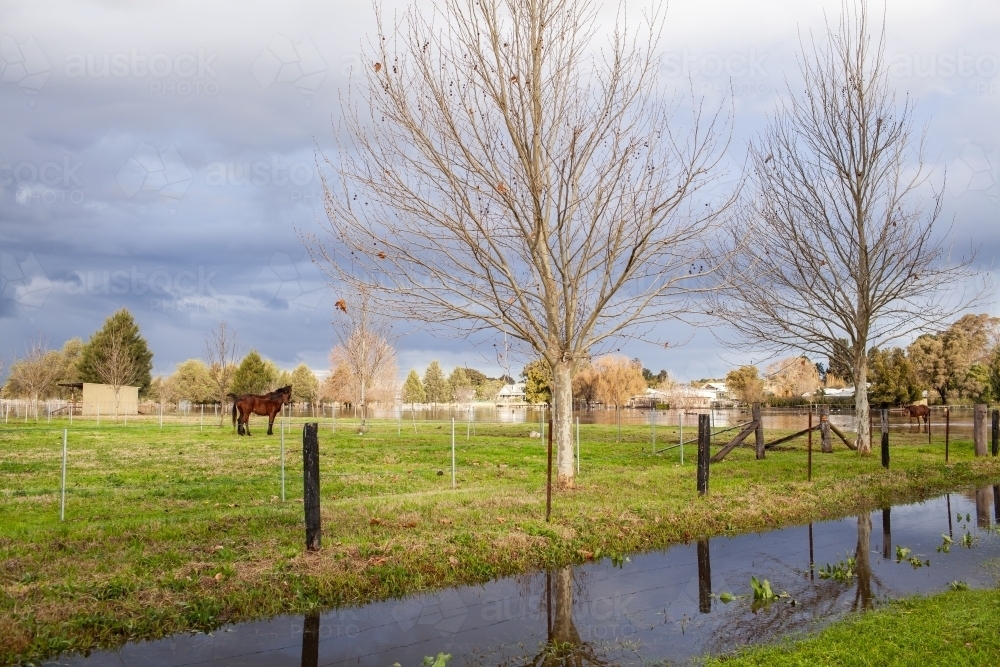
(161, 158)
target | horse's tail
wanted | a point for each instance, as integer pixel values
(234, 408)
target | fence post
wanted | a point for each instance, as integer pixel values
(885, 437)
(577, 445)
(453, 452)
(809, 476)
(759, 431)
(704, 453)
(979, 429)
(995, 435)
(653, 427)
(947, 432)
(548, 477)
(62, 500)
(282, 460)
(310, 477)
(825, 444)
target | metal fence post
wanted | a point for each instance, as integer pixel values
(62, 501)
(704, 452)
(577, 445)
(453, 452)
(885, 438)
(282, 460)
(310, 478)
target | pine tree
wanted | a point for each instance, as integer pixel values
(435, 385)
(413, 389)
(97, 348)
(305, 386)
(254, 375)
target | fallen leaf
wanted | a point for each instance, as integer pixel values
(444, 521)
(218, 576)
(376, 521)
(453, 560)
(378, 66)
(409, 524)
(500, 519)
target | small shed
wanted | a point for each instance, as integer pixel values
(100, 399)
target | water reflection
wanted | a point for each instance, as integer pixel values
(664, 606)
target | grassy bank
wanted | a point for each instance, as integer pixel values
(954, 628)
(179, 528)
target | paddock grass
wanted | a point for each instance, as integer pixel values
(179, 528)
(954, 628)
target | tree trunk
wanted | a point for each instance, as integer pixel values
(864, 441)
(563, 629)
(862, 564)
(562, 423)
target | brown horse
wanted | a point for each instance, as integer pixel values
(917, 412)
(251, 404)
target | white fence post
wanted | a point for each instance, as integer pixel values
(62, 501)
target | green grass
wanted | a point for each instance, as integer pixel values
(177, 529)
(955, 628)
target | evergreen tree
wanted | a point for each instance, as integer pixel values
(192, 382)
(537, 382)
(97, 349)
(413, 389)
(893, 378)
(305, 386)
(254, 376)
(435, 385)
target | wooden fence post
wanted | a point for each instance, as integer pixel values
(310, 640)
(826, 445)
(704, 452)
(759, 431)
(979, 429)
(885, 438)
(310, 476)
(947, 432)
(886, 533)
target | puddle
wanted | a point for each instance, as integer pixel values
(661, 606)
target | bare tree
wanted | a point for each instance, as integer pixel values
(364, 347)
(841, 241)
(35, 374)
(500, 174)
(116, 366)
(223, 353)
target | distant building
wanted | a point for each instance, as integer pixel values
(512, 394)
(95, 399)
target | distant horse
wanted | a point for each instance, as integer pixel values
(918, 412)
(251, 404)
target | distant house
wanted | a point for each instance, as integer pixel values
(512, 394)
(650, 398)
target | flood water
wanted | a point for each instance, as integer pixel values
(661, 606)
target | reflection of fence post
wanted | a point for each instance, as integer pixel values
(548, 477)
(704, 452)
(310, 475)
(979, 429)
(759, 431)
(704, 577)
(825, 444)
(886, 533)
(983, 507)
(310, 640)
(884, 413)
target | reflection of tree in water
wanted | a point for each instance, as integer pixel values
(814, 600)
(564, 645)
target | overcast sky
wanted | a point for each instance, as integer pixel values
(160, 155)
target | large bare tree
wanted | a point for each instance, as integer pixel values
(500, 173)
(365, 348)
(838, 233)
(35, 374)
(223, 353)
